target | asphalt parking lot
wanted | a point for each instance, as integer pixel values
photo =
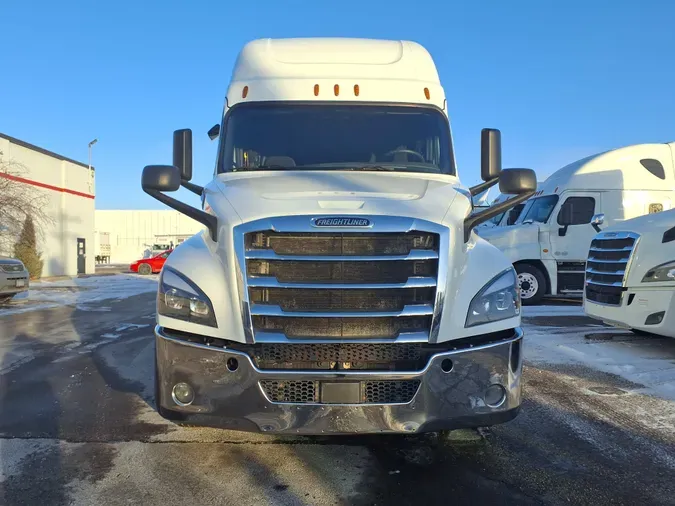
(78, 426)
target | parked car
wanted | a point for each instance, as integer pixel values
(13, 278)
(150, 265)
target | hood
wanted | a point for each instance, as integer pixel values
(271, 193)
(10, 261)
(517, 242)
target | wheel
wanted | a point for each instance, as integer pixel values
(167, 414)
(144, 269)
(532, 284)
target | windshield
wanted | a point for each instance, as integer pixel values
(356, 137)
(496, 219)
(541, 208)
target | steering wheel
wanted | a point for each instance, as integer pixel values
(408, 151)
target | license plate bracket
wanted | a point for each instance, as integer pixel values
(344, 392)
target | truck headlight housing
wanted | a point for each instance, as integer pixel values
(663, 272)
(180, 298)
(498, 300)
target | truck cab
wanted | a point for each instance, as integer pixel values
(338, 285)
(549, 243)
(630, 275)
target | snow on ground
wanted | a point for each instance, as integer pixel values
(647, 361)
(80, 292)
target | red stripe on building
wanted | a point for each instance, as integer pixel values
(46, 186)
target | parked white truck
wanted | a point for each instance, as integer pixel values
(338, 287)
(550, 241)
(630, 275)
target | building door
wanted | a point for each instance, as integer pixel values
(81, 256)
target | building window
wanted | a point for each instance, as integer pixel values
(581, 209)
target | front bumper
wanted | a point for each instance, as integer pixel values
(444, 400)
(643, 303)
(8, 283)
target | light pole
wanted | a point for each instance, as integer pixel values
(90, 145)
(91, 176)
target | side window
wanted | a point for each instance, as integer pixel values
(581, 209)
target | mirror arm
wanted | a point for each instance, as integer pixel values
(492, 211)
(480, 188)
(194, 188)
(210, 221)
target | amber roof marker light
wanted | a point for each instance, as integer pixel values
(356, 90)
(244, 92)
(336, 89)
(427, 94)
(316, 90)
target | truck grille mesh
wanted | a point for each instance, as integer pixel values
(311, 243)
(393, 271)
(391, 280)
(383, 327)
(340, 356)
(293, 299)
(371, 392)
(606, 267)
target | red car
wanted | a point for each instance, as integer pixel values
(150, 265)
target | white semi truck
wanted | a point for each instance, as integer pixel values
(630, 275)
(338, 286)
(550, 240)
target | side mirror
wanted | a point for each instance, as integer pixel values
(490, 153)
(214, 131)
(517, 181)
(598, 219)
(182, 152)
(163, 178)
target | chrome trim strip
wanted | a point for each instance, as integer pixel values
(263, 336)
(271, 282)
(592, 259)
(302, 223)
(272, 310)
(612, 250)
(616, 284)
(605, 273)
(281, 374)
(268, 254)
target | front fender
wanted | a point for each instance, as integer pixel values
(198, 260)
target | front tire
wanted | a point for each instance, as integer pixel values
(144, 269)
(531, 283)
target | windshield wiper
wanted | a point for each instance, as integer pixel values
(375, 168)
(262, 167)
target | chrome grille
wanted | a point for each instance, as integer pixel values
(378, 283)
(606, 267)
(370, 392)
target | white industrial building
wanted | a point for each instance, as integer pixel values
(67, 242)
(123, 236)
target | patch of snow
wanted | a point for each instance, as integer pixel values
(646, 361)
(110, 336)
(82, 293)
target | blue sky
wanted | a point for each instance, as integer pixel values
(562, 80)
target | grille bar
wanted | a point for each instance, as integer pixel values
(268, 282)
(371, 392)
(268, 254)
(413, 310)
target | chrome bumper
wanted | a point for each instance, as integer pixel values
(444, 400)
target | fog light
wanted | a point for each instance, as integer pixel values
(183, 394)
(495, 395)
(655, 318)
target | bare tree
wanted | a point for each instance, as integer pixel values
(17, 201)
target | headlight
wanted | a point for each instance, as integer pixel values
(498, 300)
(663, 272)
(179, 298)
